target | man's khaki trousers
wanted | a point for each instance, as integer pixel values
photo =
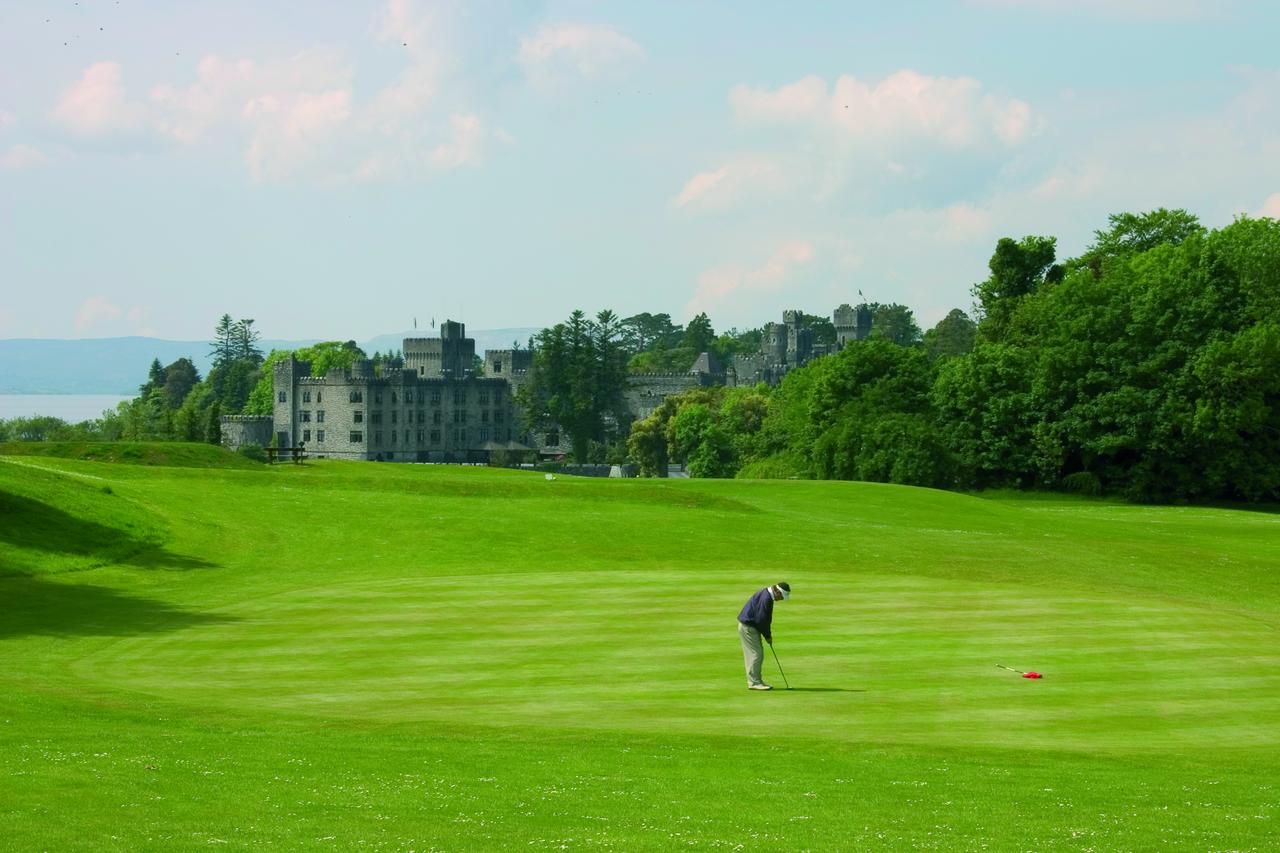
(752, 653)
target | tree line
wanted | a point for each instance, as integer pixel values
(1147, 367)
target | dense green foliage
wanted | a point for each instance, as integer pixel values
(324, 356)
(191, 660)
(579, 372)
(1149, 367)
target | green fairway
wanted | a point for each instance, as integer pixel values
(360, 656)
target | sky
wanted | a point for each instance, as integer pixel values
(338, 169)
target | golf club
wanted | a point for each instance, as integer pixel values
(1020, 672)
(779, 663)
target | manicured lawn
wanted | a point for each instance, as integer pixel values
(347, 656)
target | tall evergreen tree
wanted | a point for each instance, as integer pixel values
(223, 349)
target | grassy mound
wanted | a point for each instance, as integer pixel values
(461, 658)
(52, 521)
(165, 453)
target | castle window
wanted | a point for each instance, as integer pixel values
(319, 416)
(484, 433)
(377, 396)
(393, 396)
(375, 417)
(457, 415)
(283, 397)
(435, 417)
(484, 416)
(393, 436)
(435, 396)
(497, 416)
(422, 371)
(318, 397)
(459, 396)
(320, 436)
(356, 397)
(304, 415)
(553, 438)
(393, 415)
(422, 416)
(306, 396)
(306, 436)
(420, 436)
(435, 436)
(497, 367)
(484, 396)
(357, 416)
(464, 416)
(357, 437)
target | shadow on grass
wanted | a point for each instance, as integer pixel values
(34, 607)
(36, 526)
(823, 690)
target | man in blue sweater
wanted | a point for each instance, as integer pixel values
(756, 621)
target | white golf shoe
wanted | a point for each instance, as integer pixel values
(759, 686)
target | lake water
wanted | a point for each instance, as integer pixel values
(72, 408)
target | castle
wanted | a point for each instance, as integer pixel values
(438, 408)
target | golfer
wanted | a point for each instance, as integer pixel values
(756, 621)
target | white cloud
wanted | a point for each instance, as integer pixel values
(734, 282)
(946, 111)
(732, 182)
(295, 135)
(1271, 207)
(20, 157)
(558, 52)
(99, 315)
(226, 90)
(906, 139)
(463, 145)
(96, 104)
(95, 311)
(301, 118)
(6, 119)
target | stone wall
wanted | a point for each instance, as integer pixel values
(398, 417)
(646, 391)
(240, 430)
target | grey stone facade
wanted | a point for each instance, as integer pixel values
(240, 430)
(431, 410)
(852, 324)
(437, 407)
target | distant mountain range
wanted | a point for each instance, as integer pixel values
(119, 365)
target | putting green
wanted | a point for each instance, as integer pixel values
(878, 659)
(337, 629)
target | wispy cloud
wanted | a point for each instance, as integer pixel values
(870, 138)
(1270, 207)
(20, 157)
(735, 282)
(727, 185)
(96, 105)
(557, 53)
(301, 117)
(945, 111)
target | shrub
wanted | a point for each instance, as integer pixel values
(253, 451)
(1083, 483)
